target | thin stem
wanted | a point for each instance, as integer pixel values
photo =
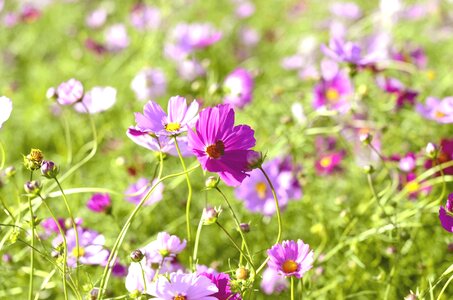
(444, 287)
(197, 242)
(277, 206)
(292, 288)
(238, 225)
(122, 234)
(65, 246)
(236, 245)
(189, 193)
(143, 276)
(375, 195)
(32, 254)
(74, 226)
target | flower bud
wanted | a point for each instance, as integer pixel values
(49, 169)
(431, 151)
(254, 160)
(210, 215)
(365, 138)
(211, 182)
(137, 255)
(245, 227)
(51, 93)
(242, 273)
(33, 160)
(32, 187)
(94, 294)
(369, 169)
(10, 171)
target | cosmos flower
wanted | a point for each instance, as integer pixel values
(138, 271)
(179, 118)
(116, 38)
(446, 214)
(97, 100)
(445, 154)
(50, 227)
(238, 88)
(99, 202)
(166, 245)
(222, 282)
(348, 10)
(162, 144)
(256, 193)
(145, 17)
(184, 286)
(136, 191)
(334, 89)
(69, 92)
(437, 110)
(415, 56)
(149, 83)
(290, 258)
(6, 107)
(220, 146)
(96, 18)
(91, 249)
(328, 163)
(394, 86)
(273, 282)
(186, 38)
(190, 69)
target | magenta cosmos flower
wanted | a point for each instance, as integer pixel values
(99, 202)
(444, 155)
(155, 120)
(238, 88)
(256, 193)
(393, 86)
(220, 146)
(446, 214)
(6, 107)
(69, 92)
(291, 258)
(328, 163)
(91, 249)
(182, 286)
(222, 282)
(437, 110)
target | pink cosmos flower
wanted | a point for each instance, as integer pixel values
(220, 146)
(116, 38)
(393, 86)
(6, 107)
(96, 18)
(99, 202)
(149, 83)
(97, 100)
(166, 245)
(290, 258)
(69, 92)
(184, 286)
(238, 88)
(273, 282)
(162, 144)
(446, 214)
(437, 110)
(179, 118)
(144, 17)
(136, 191)
(222, 282)
(328, 163)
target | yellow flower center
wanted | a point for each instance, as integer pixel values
(325, 161)
(179, 297)
(172, 127)
(216, 150)
(430, 74)
(332, 95)
(261, 189)
(439, 114)
(289, 266)
(412, 186)
(78, 252)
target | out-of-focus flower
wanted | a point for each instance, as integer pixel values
(136, 191)
(446, 214)
(184, 286)
(149, 83)
(50, 227)
(348, 10)
(437, 110)
(394, 86)
(334, 89)
(166, 245)
(328, 163)
(97, 100)
(407, 163)
(69, 92)
(95, 47)
(413, 56)
(444, 154)
(119, 270)
(162, 144)
(222, 282)
(273, 282)
(290, 258)
(220, 146)
(145, 17)
(99, 202)
(255, 190)
(190, 69)
(179, 119)
(6, 107)
(186, 38)
(238, 88)
(116, 38)
(96, 18)
(91, 249)
(136, 272)
(243, 8)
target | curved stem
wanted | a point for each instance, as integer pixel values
(444, 287)
(277, 206)
(189, 193)
(74, 226)
(237, 247)
(197, 242)
(122, 234)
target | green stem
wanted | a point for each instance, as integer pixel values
(189, 193)
(65, 246)
(238, 225)
(122, 234)
(197, 242)
(74, 226)
(32, 254)
(375, 195)
(292, 288)
(237, 247)
(444, 287)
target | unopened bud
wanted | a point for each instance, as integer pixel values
(49, 169)
(242, 273)
(254, 160)
(94, 294)
(245, 227)
(369, 169)
(32, 187)
(431, 151)
(211, 182)
(10, 171)
(137, 255)
(33, 160)
(51, 93)
(210, 215)
(365, 138)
